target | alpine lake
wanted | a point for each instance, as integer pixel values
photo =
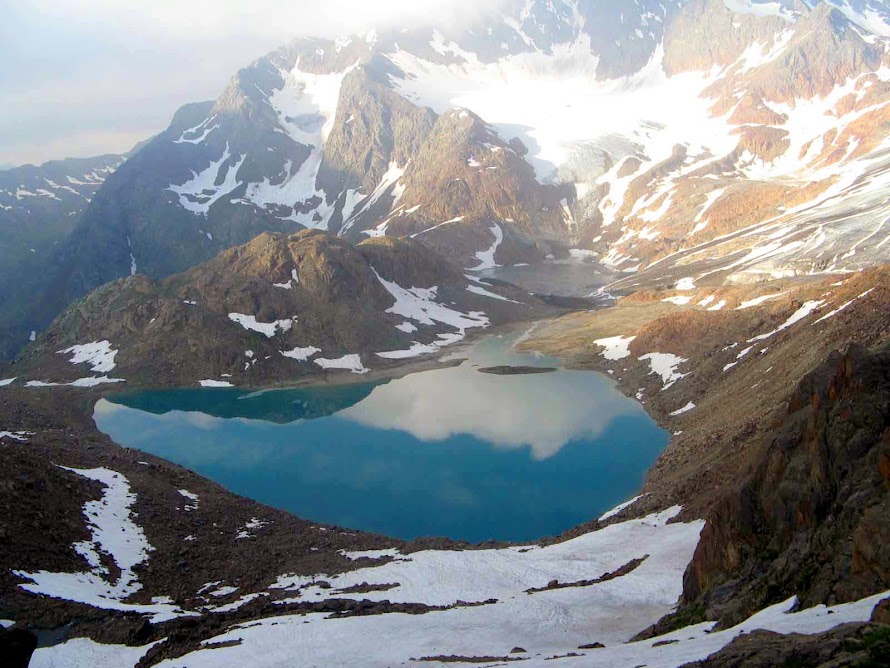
(523, 450)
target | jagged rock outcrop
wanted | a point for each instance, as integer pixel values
(812, 517)
(467, 179)
(848, 646)
(374, 129)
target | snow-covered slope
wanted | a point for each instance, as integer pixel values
(578, 602)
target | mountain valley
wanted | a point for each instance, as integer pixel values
(685, 200)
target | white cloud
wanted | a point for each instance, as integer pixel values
(95, 76)
(277, 18)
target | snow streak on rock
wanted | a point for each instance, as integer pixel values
(115, 537)
(486, 258)
(201, 191)
(421, 305)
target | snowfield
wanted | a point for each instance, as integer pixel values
(521, 607)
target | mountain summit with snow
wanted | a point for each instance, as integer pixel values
(732, 137)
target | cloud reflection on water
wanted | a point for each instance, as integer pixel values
(541, 411)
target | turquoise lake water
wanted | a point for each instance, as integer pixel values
(449, 452)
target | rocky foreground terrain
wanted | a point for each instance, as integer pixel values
(770, 500)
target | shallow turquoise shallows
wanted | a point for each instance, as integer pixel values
(450, 452)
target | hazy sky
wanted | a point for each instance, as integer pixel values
(86, 77)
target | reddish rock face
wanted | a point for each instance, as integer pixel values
(812, 517)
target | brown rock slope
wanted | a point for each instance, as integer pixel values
(308, 292)
(465, 171)
(738, 383)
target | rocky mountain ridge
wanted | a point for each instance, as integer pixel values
(278, 309)
(39, 209)
(738, 139)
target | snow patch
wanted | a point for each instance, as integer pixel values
(616, 347)
(688, 407)
(115, 536)
(201, 191)
(191, 497)
(797, 316)
(21, 436)
(301, 354)
(98, 354)
(91, 381)
(486, 258)
(665, 365)
(254, 524)
(617, 509)
(757, 301)
(842, 307)
(351, 363)
(679, 300)
(479, 290)
(420, 305)
(214, 383)
(269, 329)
